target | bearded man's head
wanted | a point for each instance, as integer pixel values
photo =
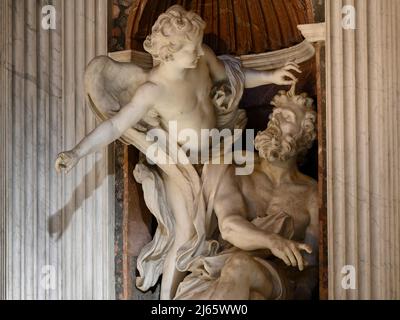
(291, 130)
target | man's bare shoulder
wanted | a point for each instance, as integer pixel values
(246, 183)
(228, 178)
(312, 188)
(311, 183)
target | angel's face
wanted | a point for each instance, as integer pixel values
(189, 54)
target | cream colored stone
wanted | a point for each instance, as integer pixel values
(44, 110)
(277, 218)
(299, 53)
(177, 89)
(313, 32)
(363, 150)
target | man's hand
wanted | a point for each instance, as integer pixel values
(283, 76)
(66, 161)
(289, 251)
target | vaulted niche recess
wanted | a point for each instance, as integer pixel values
(262, 33)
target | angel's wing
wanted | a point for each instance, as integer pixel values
(110, 85)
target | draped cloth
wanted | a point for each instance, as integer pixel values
(206, 270)
(110, 85)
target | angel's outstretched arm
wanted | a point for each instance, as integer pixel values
(216, 66)
(111, 129)
(253, 78)
(282, 76)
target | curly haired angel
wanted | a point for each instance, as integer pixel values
(188, 85)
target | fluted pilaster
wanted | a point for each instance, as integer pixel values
(363, 148)
(5, 95)
(43, 113)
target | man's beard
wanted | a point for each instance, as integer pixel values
(272, 146)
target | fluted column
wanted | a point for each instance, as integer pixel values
(43, 112)
(363, 149)
(5, 94)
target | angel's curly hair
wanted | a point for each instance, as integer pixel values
(171, 27)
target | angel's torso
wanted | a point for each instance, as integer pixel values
(187, 102)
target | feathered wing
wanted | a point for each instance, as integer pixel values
(112, 84)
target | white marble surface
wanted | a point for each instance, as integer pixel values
(43, 112)
(363, 149)
(5, 87)
(262, 61)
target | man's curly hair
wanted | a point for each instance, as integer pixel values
(270, 143)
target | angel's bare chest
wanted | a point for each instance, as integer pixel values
(187, 97)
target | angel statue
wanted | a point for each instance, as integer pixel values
(188, 88)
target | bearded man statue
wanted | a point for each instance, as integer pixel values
(268, 220)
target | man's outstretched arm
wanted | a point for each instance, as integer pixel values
(110, 130)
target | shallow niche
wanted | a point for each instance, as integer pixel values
(252, 30)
